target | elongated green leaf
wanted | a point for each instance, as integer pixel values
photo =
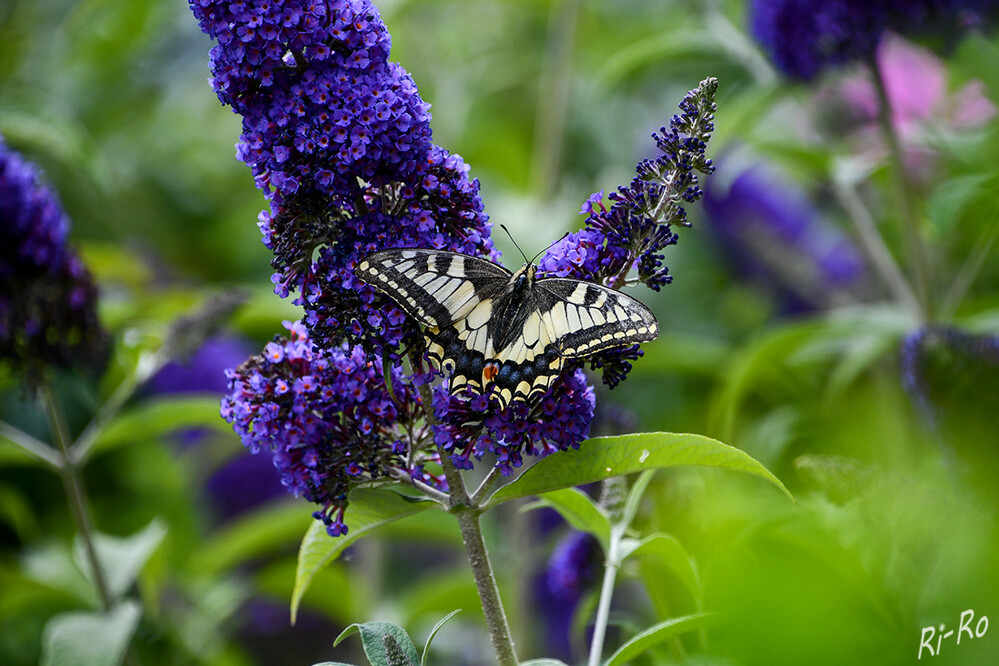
(89, 639)
(757, 365)
(385, 644)
(657, 634)
(670, 46)
(635, 497)
(605, 457)
(121, 559)
(433, 633)
(435, 593)
(252, 535)
(368, 509)
(161, 415)
(666, 551)
(581, 512)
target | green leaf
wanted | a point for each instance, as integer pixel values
(580, 511)
(158, 416)
(17, 514)
(663, 47)
(270, 528)
(666, 550)
(433, 633)
(368, 509)
(52, 565)
(121, 559)
(543, 662)
(434, 594)
(635, 497)
(605, 457)
(89, 639)
(385, 644)
(948, 202)
(657, 634)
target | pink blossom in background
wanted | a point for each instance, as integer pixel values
(916, 85)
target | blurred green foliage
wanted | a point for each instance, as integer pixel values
(548, 101)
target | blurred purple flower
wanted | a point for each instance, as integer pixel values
(573, 568)
(772, 233)
(803, 37)
(204, 370)
(48, 301)
(244, 481)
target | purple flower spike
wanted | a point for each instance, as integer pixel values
(48, 302)
(631, 235)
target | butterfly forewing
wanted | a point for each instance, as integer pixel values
(587, 318)
(485, 338)
(433, 286)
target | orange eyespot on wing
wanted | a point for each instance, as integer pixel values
(490, 371)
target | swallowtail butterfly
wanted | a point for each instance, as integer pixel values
(496, 330)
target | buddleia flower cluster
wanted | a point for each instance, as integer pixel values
(804, 37)
(328, 417)
(338, 139)
(625, 243)
(48, 313)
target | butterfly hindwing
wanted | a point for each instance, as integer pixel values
(491, 329)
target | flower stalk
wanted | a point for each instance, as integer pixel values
(467, 514)
(75, 494)
(905, 193)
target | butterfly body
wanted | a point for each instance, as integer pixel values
(496, 330)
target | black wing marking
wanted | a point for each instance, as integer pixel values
(587, 318)
(435, 287)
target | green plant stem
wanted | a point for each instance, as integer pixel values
(906, 194)
(492, 478)
(467, 513)
(148, 366)
(876, 250)
(478, 558)
(969, 271)
(75, 494)
(30, 445)
(606, 594)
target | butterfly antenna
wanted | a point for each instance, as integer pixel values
(503, 226)
(550, 246)
(560, 239)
